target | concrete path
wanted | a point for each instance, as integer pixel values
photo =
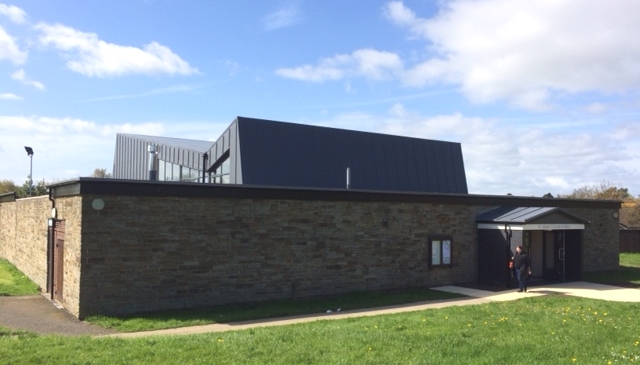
(37, 314)
(581, 289)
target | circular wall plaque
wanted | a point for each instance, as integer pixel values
(97, 204)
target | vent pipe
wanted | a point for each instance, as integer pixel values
(348, 177)
(205, 157)
(153, 162)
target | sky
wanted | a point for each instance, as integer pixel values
(543, 96)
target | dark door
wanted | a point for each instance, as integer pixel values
(549, 257)
(563, 255)
(573, 255)
(559, 255)
(58, 262)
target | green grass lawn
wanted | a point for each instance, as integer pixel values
(273, 309)
(552, 329)
(13, 282)
(627, 275)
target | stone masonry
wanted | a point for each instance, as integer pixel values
(147, 254)
(171, 246)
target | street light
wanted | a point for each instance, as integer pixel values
(30, 153)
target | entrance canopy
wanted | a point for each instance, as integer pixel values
(529, 219)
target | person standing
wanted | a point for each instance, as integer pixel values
(522, 267)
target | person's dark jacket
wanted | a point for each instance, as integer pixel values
(521, 261)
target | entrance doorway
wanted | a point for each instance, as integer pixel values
(551, 236)
(58, 261)
(556, 255)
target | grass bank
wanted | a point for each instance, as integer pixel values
(13, 282)
(272, 309)
(535, 330)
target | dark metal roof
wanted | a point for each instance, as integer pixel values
(522, 215)
(287, 154)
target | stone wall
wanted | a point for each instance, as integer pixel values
(23, 236)
(146, 253)
(601, 239)
(69, 210)
(159, 246)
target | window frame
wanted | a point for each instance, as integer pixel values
(443, 248)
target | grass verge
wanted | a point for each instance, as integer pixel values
(551, 329)
(13, 282)
(627, 275)
(234, 313)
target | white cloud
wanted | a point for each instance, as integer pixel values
(9, 49)
(368, 63)
(282, 18)
(530, 54)
(90, 56)
(524, 52)
(9, 96)
(21, 76)
(64, 148)
(596, 108)
(14, 13)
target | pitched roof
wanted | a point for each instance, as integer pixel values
(524, 215)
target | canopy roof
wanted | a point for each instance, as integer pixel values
(530, 218)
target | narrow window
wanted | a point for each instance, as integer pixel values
(440, 251)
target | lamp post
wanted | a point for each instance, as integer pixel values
(30, 153)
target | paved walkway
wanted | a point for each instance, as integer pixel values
(37, 314)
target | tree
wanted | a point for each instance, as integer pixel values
(101, 173)
(8, 186)
(603, 191)
(40, 188)
(630, 211)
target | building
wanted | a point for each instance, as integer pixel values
(264, 230)
(268, 153)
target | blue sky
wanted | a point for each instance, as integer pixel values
(544, 96)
